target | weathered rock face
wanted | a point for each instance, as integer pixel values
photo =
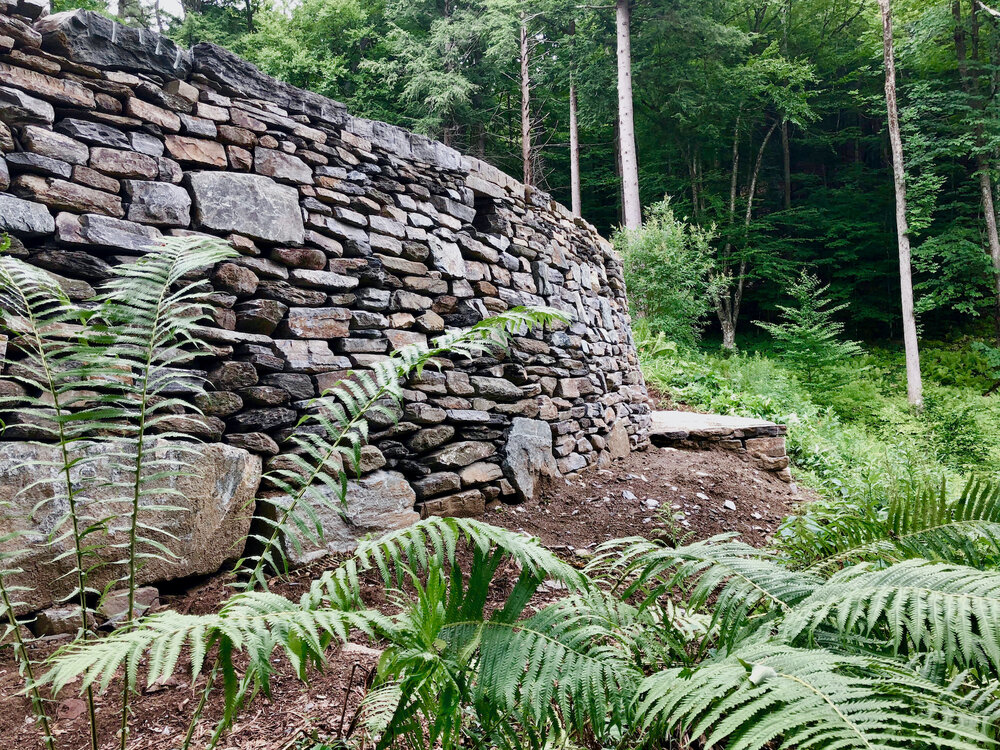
(217, 501)
(250, 204)
(355, 238)
(376, 503)
(529, 455)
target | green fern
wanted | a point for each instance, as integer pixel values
(317, 477)
(924, 523)
(150, 318)
(58, 360)
(12, 629)
(747, 588)
(914, 606)
(771, 695)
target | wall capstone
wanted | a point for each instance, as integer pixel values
(355, 238)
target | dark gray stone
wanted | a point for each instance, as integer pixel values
(238, 77)
(25, 161)
(106, 232)
(87, 37)
(17, 108)
(256, 420)
(260, 315)
(94, 132)
(79, 264)
(299, 387)
(252, 205)
(291, 295)
(158, 203)
(24, 218)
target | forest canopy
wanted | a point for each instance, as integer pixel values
(719, 87)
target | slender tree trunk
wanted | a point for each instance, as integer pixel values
(525, 105)
(574, 138)
(787, 159)
(914, 385)
(626, 120)
(985, 180)
(989, 211)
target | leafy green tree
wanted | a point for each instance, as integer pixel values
(809, 337)
(667, 266)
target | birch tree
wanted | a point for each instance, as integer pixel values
(631, 207)
(914, 385)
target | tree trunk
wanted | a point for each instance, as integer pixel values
(787, 158)
(985, 181)
(574, 134)
(626, 120)
(914, 386)
(989, 211)
(525, 105)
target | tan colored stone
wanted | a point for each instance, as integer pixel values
(468, 504)
(196, 151)
(47, 87)
(68, 196)
(151, 113)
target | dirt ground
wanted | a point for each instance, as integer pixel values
(663, 493)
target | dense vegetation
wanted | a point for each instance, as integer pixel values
(720, 88)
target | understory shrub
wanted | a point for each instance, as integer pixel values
(867, 635)
(667, 264)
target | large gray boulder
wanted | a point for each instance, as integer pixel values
(250, 204)
(376, 503)
(528, 455)
(214, 498)
(87, 37)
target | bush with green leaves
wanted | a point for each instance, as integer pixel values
(667, 265)
(809, 336)
(870, 638)
(103, 372)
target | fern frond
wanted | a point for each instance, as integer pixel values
(257, 623)
(398, 554)
(924, 523)
(776, 696)
(335, 426)
(746, 586)
(913, 606)
(11, 628)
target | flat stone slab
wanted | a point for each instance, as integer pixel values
(669, 426)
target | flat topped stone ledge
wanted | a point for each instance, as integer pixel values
(760, 441)
(670, 426)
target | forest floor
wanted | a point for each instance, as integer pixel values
(679, 496)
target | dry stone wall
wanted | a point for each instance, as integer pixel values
(355, 238)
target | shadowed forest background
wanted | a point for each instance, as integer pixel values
(708, 77)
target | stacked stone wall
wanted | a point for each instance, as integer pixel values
(355, 238)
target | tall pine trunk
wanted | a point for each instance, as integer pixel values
(525, 105)
(574, 136)
(914, 385)
(626, 120)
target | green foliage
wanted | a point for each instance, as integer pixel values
(922, 523)
(899, 654)
(667, 265)
(809, 336)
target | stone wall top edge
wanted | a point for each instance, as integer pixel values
(89, 38)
